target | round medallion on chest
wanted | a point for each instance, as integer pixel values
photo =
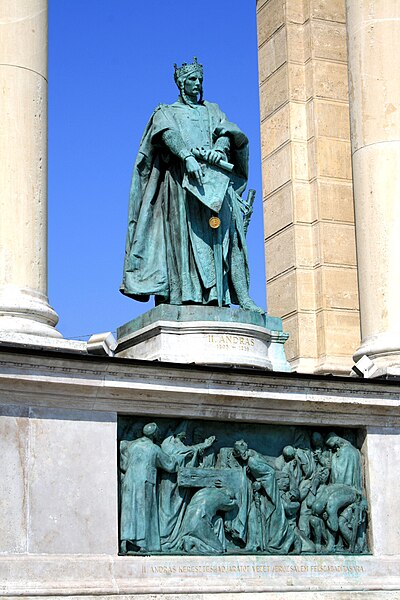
(214, 222)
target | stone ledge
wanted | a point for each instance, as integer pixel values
(194, 313)
(36, 342)
(135, 387)
(305, 595)
(48, 575)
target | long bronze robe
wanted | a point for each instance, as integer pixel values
(170, 245)
(140, 461)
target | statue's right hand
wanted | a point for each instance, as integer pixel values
(193, 168)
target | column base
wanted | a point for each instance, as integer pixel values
(383, 349)
(27, 313)
(328, 365)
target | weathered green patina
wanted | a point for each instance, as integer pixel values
(168, 312)
(280, 490)
(186, 241)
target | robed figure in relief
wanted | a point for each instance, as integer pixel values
(187, 221)
(140, 461)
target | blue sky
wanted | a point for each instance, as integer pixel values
(110, 64)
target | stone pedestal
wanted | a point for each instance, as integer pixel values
(373, 30)
(24, 307)
(205, 335)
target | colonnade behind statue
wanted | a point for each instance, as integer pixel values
(318, 258)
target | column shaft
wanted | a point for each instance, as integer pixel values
(23, 169)
(374, 90)
(307, 181)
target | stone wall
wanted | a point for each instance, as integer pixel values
(58, 492)
(307, 181)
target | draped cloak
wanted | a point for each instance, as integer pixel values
(140, 461)
(170, 245)
(346, 466)
(173, 500)
(277, 536)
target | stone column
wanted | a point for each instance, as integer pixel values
(374, 91)
(307, 188)
(24, 307)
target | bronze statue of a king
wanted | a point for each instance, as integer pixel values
(186, 241)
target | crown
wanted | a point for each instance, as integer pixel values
(185, 70)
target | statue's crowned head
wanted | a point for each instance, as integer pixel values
(183, 72)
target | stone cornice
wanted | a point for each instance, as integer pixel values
(148, 388)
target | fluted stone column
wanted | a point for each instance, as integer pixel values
(374, 90)
(24, 307)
